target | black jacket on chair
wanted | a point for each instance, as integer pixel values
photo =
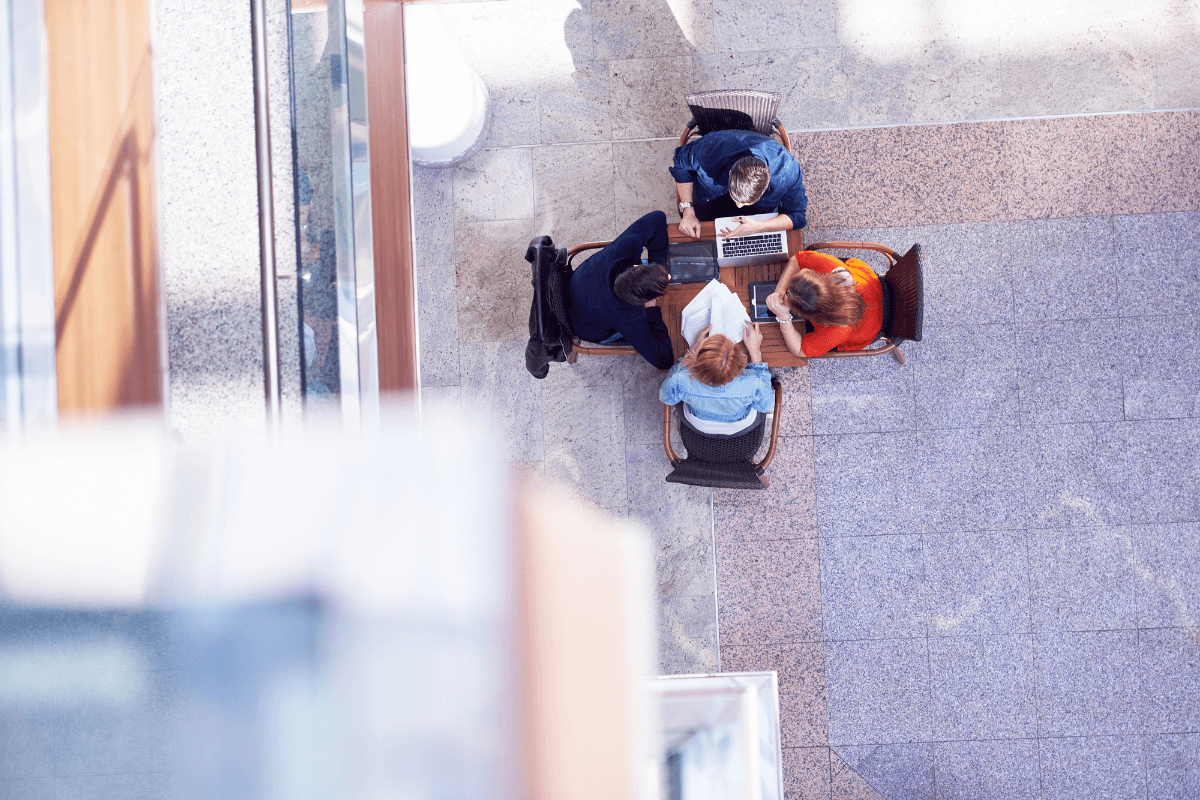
(548, 339)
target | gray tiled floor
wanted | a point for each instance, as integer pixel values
(1050, 467)
(1047, 463)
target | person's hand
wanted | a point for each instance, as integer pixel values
(688, 224)
(746, 226)
(700, 337)
(752, 338)
(778, 306)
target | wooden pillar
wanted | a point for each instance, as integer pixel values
(387, 114)
(106, 285)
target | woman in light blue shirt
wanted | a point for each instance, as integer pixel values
(721, 392)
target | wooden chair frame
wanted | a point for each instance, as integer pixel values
(889, 345)
(766, 460)
(578, 349)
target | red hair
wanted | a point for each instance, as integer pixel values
(822, 299)
(717, 361)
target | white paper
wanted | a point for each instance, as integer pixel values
(716, 305)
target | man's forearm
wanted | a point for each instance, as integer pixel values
(683, 191)
(780, 223)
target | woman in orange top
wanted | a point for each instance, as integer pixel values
(842, 300)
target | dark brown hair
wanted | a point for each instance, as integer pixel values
(641, 283)
(822, 299)
(748, 179)
(716, 361)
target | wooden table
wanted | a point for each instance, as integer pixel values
(738, 279)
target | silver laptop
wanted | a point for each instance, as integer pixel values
(758, 248)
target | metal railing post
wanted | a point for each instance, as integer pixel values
(266, 217)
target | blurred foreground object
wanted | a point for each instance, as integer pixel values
(718, 736)
(324, 617)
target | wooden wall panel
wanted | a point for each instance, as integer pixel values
(101, 112)
(395, 287)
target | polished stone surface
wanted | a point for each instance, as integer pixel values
(896, 770)
(955, 557)
(801, 676)
(769, 592)
(846, 784)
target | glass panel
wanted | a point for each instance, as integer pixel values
(718, 736)
(333, 196)
(28, 385)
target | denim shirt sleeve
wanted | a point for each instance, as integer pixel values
(764, 395)
(683, 170)
(795, 204)
(673, 389)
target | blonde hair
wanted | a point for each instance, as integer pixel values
(717, 361)
(823, 299)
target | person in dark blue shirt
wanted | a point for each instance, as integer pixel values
(613, 294)
(727, 173)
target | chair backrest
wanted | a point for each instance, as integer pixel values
(734, 109)
(905, 283)
(737, 448)
(719, 462)
(558, 283)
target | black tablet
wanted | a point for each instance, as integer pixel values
(758, 301)
(693, 262)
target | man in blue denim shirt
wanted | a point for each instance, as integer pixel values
(726, 173)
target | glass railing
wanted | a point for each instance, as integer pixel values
(339, 360)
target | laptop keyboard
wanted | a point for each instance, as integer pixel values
(758, 244)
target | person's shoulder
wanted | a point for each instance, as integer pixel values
(861, 271)
(817, 261)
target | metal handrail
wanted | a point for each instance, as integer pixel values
(266, 217)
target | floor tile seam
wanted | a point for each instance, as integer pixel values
(834, 745)
(917, 532)
(1037, 637)
(110, 774)
(781, 643)
(882, 126)
(712, 520)
(931, 429)
(532, 145)
(995, 120)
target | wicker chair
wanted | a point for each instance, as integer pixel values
(734, 109)
(558, 301)
(903, 298)
(722, 461)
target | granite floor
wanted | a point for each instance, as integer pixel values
(977, 574)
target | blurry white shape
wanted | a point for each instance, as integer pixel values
(719, 736)
(684, 18)
(967, 612)
(99, 674)
(396, 520)
(79, 513)
(885, 27)
(448, 105)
